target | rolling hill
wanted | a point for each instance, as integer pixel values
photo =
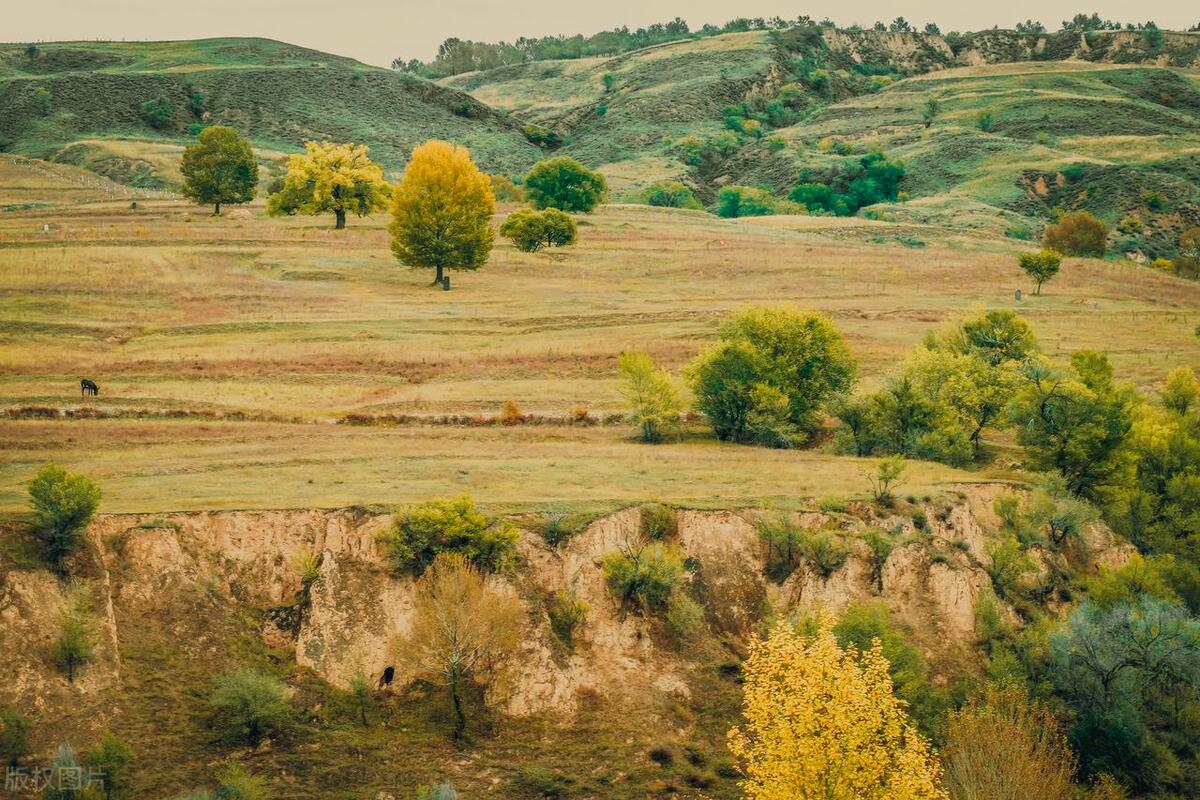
(277, 94)
(1108, 122)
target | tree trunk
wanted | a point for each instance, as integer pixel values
(460, 719)
(438, 279)
(340, 216)
(1038, 290)
(216, 209)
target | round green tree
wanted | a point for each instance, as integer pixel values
(565, 184)
(219, 169)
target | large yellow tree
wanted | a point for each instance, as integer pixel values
(822, 724)
(331, 177)
(441, 211)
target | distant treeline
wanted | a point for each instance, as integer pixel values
(456, 56)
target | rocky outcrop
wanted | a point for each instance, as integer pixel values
(351, 617)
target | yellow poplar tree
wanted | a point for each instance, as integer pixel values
(330, 177)
(441, 211)
(822, 724)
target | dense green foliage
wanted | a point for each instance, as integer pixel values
(770, 374)
(531, 230)
(76, 642)
(455, 56)
(748, 201)
(112, 758)
(249, 704)
(848, 185)
(14, 736)
(644, 576)
(654, 403)
(669, 194)
(62, 504)
(220, 168)
(420, 532)
(950, 390)
(565, 184)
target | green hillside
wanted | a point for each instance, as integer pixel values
(278, 94)
(1106, 122)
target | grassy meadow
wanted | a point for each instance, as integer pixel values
(232, 345)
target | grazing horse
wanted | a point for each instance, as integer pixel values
(87, 387)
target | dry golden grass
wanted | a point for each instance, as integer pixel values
(169, 308)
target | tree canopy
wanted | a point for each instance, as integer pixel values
(219, 169)
(331, 178)
(565, 184)
(441, 211)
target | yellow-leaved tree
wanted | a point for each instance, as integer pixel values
(822, 724)
(330, 177)
(441, 211)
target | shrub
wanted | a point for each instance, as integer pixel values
(684, 616)
(76, 641)
(669, 194)
(782, 538)
(250, 705)
(565, 184)
(511, 413)
(62, 505)
(157, 112)
(41, 96)
(1041, 266)
(889, 471)
(566, 611)
(801, 356)
(644, 575)
(824, 551)
(985, 121)
(423, 530)
(654, 402)
(112, 758)
(1077, 234)
(14, 737)
(505, 189)
(658, 521)
(846, 186)
(746, 201)
(307, 565)
(532, 230)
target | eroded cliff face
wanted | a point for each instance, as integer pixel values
(185, 571)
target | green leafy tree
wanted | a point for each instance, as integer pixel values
(421, 531)
(220, 168)
(1077, 234)
(930, 111)
(1041, 266)
(331, 178)
(745, 201)
(563, 183)
(532, 230)
(652, 398)
(250, 705)
(670, 194)
(802, 356)
(1078, 424)
(888, 473)
(63, 504)
(1131, 673)
(441, 211)
(112, 758)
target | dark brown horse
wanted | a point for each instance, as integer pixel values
(87, 387)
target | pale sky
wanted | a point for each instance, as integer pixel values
(375, 31)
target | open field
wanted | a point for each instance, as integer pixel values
(290, 322)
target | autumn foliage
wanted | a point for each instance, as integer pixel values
(1076, 234)
(822, 724)
(441, 211)
(331, 178)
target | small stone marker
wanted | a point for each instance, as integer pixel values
(1017, 295)
(445, 283)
